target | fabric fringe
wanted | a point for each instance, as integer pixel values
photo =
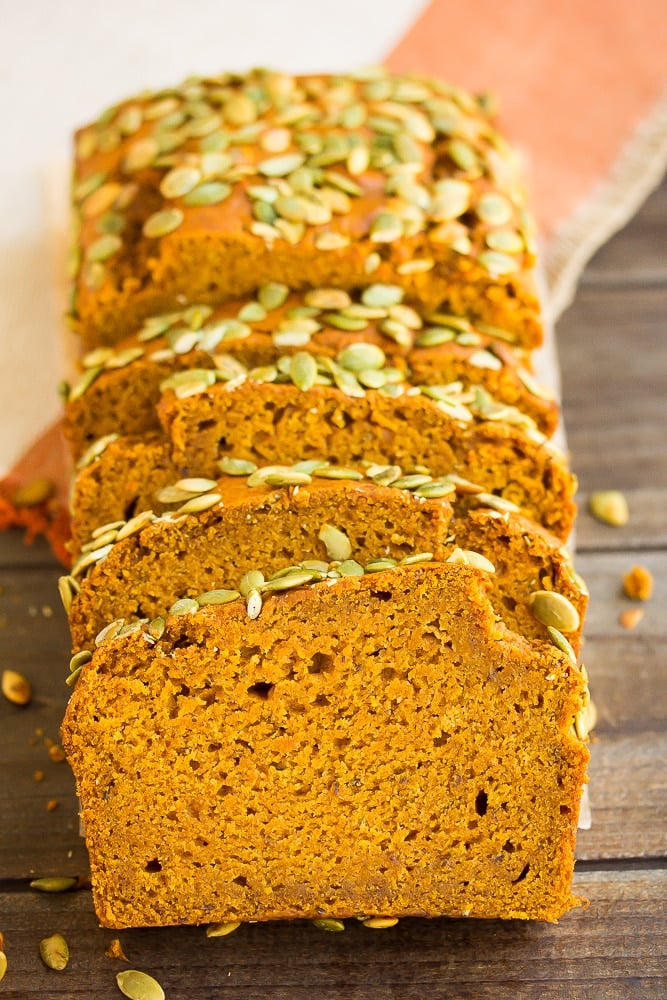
(637, 171)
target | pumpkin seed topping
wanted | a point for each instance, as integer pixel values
(470, 558)
(329, 924)
(559, 640)
(179, 181)
(336, 542)
(553, 609)
(222, 929)
(163, 222)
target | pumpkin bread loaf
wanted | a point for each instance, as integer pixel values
(223, 530)
(378, 745)
(202, 192)
(119, 387)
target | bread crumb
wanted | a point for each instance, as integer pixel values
(51, 805)
(56, 753)
(38, 776)
(115, 950)
(638, 583)
(631, 617)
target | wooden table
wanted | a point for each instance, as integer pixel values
(613, 347)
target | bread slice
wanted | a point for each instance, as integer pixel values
(378, 745)
(119, 388)
(338, 181)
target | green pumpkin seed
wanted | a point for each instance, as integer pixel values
(337, 472)
(288, 582)
(54, 952)
(380, 923)
(272, 295)
(155, 629)
(452, 199)
(552, 608)
(252, 580)
(416, 558)
(485, 359)
(197, 505)
(67, 588)
(252, 312)
(467, 557)
(139, 985)
(185, 606)
(434, 336)
(208, 193)
(559, 640)
(382, 296)
(497, 503)
(435, 490)
(379, 565)
(329, 924)
(79, 659)
(254, 604)
(104, 247)
(360, 357)
(350, 567)
(610, 507)
(463, 155)
(110, 631)
(135, 524)
(179, 181)
(303, 370)
(342, 322)
(53, 883)
(195, 485)
(216, 597)
(504, 240)
(141, 154)
(163, 222)
(223, 929)
(336, 542)
(386, 228)
(494, 209)
(280, 166)
(289, 478)
(498, 264)
(412, 482)
(236, 466)
(331, 241)
(327, 298)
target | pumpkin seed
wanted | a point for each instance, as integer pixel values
(559, 640)
(73, 677)
(3, 965)
(179, 181)
(372, 263)
(199, 504)
(236, 466)
(416, 558)
(141, 154)
(104, 247)
(163, 222)
(485, 359)
(329, 924)
(216, 597)
(289, 478)
(534, 387)
(552, 608)
(135, 524)
(15, 687)
(223, 929)
(387, 227)
(331, 241)
(610, 507)
(504, 240)
(185, 606)
(380, 923)
(252, 580)
(170, 494)
(288, 581)
(342, 322)
(435, 490)
(452, 199)
(494, 209)
(336, 542)
(195, 485)
(360, 357)
(280, 166)
(382, 296)
(36, 491)
(272, 295)
(254, 604)
(337, 472)
(53, 883)
(54, 952)
(109, 631)
(303, 370)
(497, 503)
(139, 985)
(208, 193)
(379, 565)
(462, 155)
(252, 312)
(467, 557)
(350, 567)
(411, 482)
(434, 336)
(67, 588)
(327, 298)
(79, 659)
(497, 264)
(155, 629)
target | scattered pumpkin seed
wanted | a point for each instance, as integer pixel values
(139, 985)
(610, 507)
(54, 952)
(552, 608)
(380, 923)
(16, 688)
(53, 883)
(329, 924)
(222, 929)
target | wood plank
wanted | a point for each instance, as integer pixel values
(614, 355)
(635, 256)
(616, 948)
